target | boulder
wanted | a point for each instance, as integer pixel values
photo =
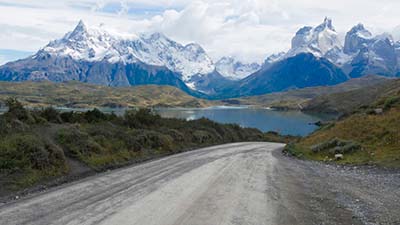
(338, 156)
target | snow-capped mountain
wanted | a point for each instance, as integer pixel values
(316, 40)
(233, 69)
(317, 57)
(360, 54)
(368, 54)
(96, 44)
(321, 41)
(357, 38)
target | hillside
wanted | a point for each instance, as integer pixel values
(349, 101)
(82, 95)
(296, 99)
(370, 136)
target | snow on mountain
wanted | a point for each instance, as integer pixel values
(357, 38)
(96, 44)
(370, 54)
(235, 70)
(397, 49)
(321, 41)
(83, 43)
(361, 54)
(318, 41)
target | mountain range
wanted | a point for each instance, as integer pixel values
(316, 57)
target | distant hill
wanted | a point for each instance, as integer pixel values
(297, 99)
(76, 94)
(349, 101)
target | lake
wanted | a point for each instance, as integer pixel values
(284, 122)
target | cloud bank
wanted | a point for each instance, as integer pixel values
(247, 29)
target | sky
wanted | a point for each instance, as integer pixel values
(249, 30)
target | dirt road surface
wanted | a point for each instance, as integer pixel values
(241, 183)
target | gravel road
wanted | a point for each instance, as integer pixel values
(241, 183)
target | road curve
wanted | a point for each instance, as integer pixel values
(241, 183)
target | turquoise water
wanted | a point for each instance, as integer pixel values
(284, 122)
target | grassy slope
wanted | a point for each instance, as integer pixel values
(378, 134)
(296, 99)
(349, 101)
(75, 94)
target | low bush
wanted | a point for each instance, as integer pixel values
(336, 146)
(51, 115)
(25, 151)
(16, 111)
(391, 101)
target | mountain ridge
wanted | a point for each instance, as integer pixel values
(94, 55)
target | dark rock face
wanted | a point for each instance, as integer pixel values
(58, 69)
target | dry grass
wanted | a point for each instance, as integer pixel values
(379, 136)
(80, 95)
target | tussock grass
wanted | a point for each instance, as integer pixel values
(378, 136)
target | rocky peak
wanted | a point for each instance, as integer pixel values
(327, 24)
(318, 40)
(356, 39)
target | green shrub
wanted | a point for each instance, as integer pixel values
(20, 151)
(325, 145)
(77, 144)
(17, 111)
(292, 150)
(51, 115)
(95, 115)
(141, 119)
(391, 101)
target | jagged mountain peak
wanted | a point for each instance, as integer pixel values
(318, 41)
(97, 44)
(326, 24)
(360, 30)
(81, 26)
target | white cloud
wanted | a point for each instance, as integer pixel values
(248, 29)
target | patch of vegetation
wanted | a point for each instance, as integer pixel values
(74, 94)
(384, 94)
(26, 158)
(36, 145)
(391, 101)
(365, 137)
(341, 98)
